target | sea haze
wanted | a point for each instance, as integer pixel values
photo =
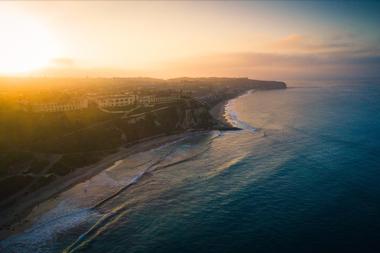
(302, 176)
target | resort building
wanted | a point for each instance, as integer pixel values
(146, 100)
(102, 101)
(115, 100)
(56, 107)
(166, 99)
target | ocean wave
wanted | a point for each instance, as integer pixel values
(34, 239)
(156, 166)
(226, 165)
(110, 218)
(44, 230)
(232, 117)
(97, 229)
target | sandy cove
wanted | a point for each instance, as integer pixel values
(218, 112)
(13, 218)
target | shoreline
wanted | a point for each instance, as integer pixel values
(14, 217)
(218, 112)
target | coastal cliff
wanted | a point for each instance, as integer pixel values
(183, 116)
(61, 153)
(40, 149)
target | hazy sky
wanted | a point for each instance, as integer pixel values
(278, 40)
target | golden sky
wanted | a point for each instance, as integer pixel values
(167, 39)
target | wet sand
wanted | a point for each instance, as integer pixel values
(218, 112)
(13, 219)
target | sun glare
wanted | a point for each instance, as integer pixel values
(25, 45)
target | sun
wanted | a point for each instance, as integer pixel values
(25, 45)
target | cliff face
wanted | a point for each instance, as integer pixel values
(176, 118)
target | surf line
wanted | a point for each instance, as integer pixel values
(87, 209)
(133, 181)
(109, 218)
(87, 236)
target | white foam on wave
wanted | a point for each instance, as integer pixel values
(72, 208)
(38, 237)
(175, 155)
(77, 206)
(233, 118)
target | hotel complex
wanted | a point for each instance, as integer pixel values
(55, 107)
(104, 101)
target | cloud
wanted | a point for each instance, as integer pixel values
(301, 43)
(276, 66)
(279, 66)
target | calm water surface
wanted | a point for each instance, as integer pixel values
(303, 176)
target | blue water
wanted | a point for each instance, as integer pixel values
(303, 176)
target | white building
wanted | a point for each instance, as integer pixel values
(166, 99)
(145, 100)
(56, 107)
(115, 100)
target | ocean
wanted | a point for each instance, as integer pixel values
(302, 176)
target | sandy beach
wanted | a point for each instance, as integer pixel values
(13, 218)
(218, 112)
